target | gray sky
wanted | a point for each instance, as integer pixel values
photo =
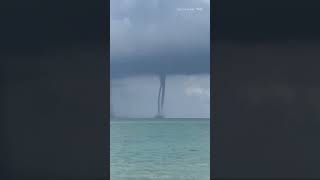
(150, 36)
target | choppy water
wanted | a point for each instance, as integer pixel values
(160, 149)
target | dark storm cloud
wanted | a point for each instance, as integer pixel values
(169, 63)
(154, 36)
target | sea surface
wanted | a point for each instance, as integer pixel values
(160, 149)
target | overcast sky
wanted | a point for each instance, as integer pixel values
(151, 36)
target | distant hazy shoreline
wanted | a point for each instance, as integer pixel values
(156, 119)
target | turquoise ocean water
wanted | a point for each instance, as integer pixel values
(163, 149)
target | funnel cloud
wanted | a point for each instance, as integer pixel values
(161, 95)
